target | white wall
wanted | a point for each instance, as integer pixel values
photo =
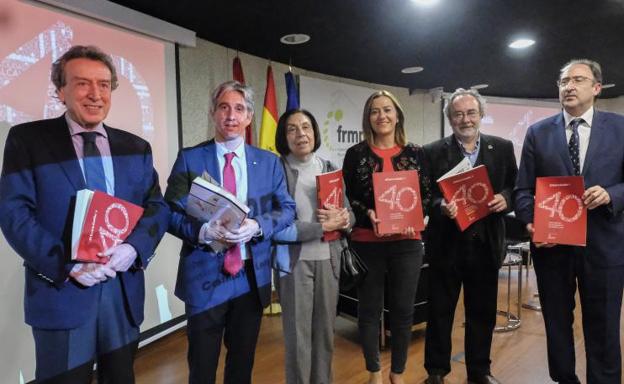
(204, 67)
(612, 105)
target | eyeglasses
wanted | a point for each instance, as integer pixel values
(293, 129)
(472, 114)
(574, 80)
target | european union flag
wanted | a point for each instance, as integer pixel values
(292, 91)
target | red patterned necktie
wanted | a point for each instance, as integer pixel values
(232, 262)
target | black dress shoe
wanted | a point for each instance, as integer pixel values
(483, 379)
(434, 379)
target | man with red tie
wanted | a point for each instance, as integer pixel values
(225, 291)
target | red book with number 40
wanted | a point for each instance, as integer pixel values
(559, 214)
(471, 191)
(101, 221)
(397, 201)
(329, 193)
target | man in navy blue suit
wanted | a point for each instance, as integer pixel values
(583, 141)
(226, 290)
(80, 313)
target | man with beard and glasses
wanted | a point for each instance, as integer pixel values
(470, 258)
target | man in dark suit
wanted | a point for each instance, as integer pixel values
(80, 313)
(226, 290)
(580, 141)
(470, 258)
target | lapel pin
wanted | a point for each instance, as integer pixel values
(490, 146)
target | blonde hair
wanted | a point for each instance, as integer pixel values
(399, 129)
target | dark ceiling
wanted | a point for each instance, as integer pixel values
(458, 42)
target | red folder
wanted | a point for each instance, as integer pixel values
(105, 221)
(329, 192)
(471, 191)
(397, 201)
(559, 214)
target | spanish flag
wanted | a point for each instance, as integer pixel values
(269, 115)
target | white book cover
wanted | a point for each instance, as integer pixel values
(208, 201)
(83, 199)
(462, 166)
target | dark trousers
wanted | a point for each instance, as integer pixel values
(473, 269)
(400, 261)
(108, 338)
(558, 272)
(237, 323)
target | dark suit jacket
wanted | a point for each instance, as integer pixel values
(545, 153)
(497, 155)
(40, 177)
(201, 281)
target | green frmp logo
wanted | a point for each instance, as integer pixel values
(342, 135)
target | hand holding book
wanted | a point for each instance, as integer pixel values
(242, 234)
(595, 196)
(333, 219)
(449, 209)
(90, 274)
(497, 204)
(120, 257)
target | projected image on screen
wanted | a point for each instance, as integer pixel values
(37, 36)
(33, 36)
(511, 121)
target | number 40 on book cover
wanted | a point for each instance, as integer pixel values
(397, 201)
(101, 221)
(559, 214)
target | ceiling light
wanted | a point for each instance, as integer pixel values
(295, 38)
(521, 43)
(479, 86)
(425, 3)
(409, 70)
(607, 86)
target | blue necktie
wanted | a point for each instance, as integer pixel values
(92, 161)
(573, 146)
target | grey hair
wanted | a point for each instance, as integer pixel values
(593, 66)
(235, 86)
(90, 52)
(448, 108)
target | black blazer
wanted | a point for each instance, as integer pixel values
(497, 155)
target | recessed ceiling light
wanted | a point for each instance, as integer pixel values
(409, 70)
(521, 43)
(425, 2)
(479, 86)
(606, 86)
(295, 38)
